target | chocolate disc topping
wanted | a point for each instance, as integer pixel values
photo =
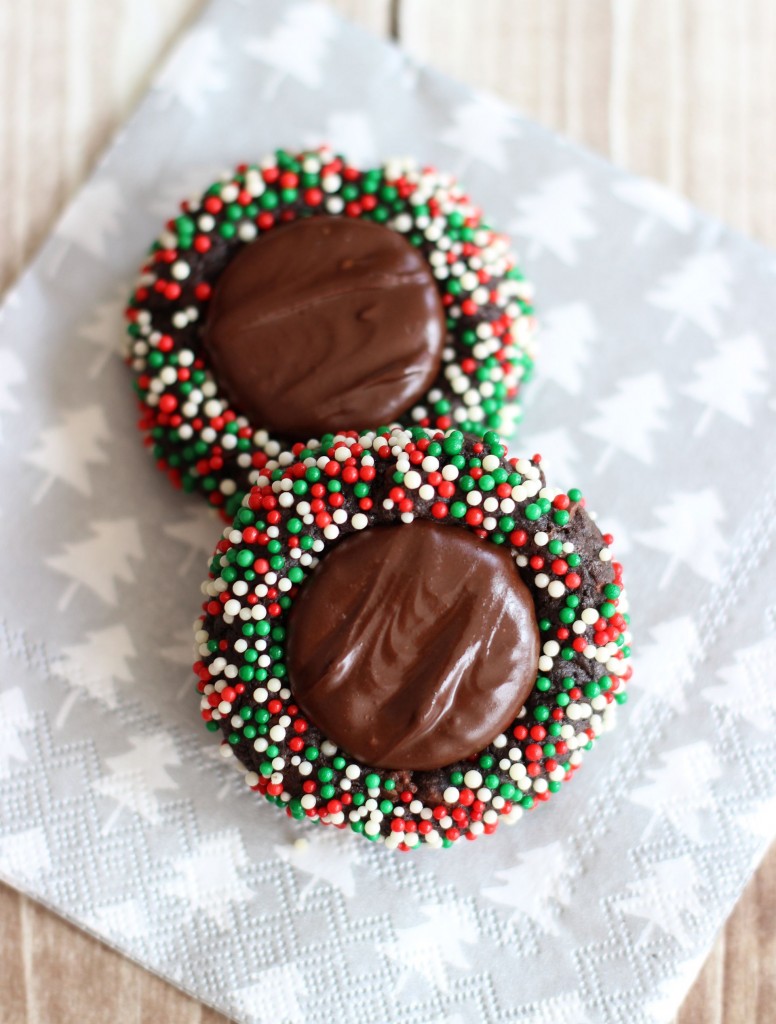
(413, 646)
(325, 323)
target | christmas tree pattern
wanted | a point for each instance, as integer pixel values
(66, 452)
(207, 880)
(134, 778)
(665, 661)
(690, 534)
(100, 561)
(126, 919)
(179, 652)
(667, 900)
(90, 223)
(481, 128)
(534, 888)
(679, 790)
(746, 686)
(24, 853)
(729, 381)
(626, 420)
(659, 204)
(273, 997)
(323, 858)
(197, 531)
(12, 374)
(557, 217)
(700, 290)
(297, 48)
(568, 333)
(104, 329)
(349, 132)
(94, 668)
(436, 943)
(196, 70)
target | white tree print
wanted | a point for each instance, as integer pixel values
(124, 920)
(95, 667)
(89, 223)
(24, 853)
(350, 132)
(665, 662)
(437, 942)
(690, 534)
(481, 129)
(535, 887)
(12, 374)
(105, 329)
(65, 452)
(665, 900)
(197, 69)
(557, 217)
(729, 381)
(207, 880)
(133, 779)
(198, 532)
(659, 204)
(568, 333)
(325, 857)
(297, 48)
(700, 290)
(180, 653)
(679, 790)
(746, 685)
(100, 561)
(273, 997)
(620, 530)
(626, 420)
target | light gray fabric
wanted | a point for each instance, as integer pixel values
(654, 394)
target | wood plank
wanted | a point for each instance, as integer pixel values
(15, 965)
(680, 90)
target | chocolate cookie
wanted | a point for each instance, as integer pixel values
(408, 634)
(302, 295)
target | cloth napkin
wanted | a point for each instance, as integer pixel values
(654, 394)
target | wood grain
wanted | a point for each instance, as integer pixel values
(682, 90)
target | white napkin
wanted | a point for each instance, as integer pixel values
(654, 394)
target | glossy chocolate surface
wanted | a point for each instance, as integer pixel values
(413, 646)
(324, 324)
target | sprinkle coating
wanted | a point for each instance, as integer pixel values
(303, 503)
(195, 435)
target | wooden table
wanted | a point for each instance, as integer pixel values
(683, 90)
